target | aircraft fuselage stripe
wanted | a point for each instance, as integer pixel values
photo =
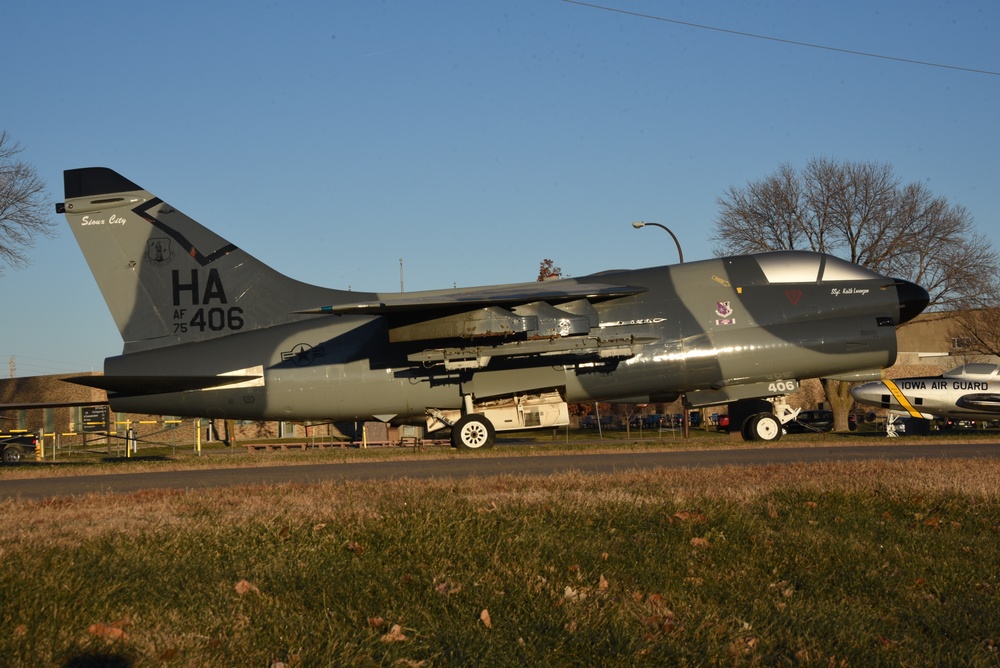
(903, 401)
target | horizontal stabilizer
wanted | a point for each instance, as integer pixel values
(142, 385)
(36, 405)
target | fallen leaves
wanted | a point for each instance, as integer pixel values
(693, 517)
(743, 645)
(581, 593)
(114, 631)
(244, 587)
(446, 588)
(660, 618)
(484, 617)
(395, 634)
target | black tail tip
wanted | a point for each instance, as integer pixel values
(91, 181)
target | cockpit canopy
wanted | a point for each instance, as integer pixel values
(807, 267)
(967, 370)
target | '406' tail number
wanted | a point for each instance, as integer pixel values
(214, 319)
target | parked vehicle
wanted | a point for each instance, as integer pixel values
(816, 421)
(810, 421)
(15, 448)
(653, 421)
(723, 424)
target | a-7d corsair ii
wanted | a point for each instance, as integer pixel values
(211, 331)
(969, 392)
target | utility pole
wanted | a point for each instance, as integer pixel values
(11, 366)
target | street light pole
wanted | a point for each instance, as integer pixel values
(686, 421)
(680, 253)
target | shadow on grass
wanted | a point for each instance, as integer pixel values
(99, 660)
(136, 458)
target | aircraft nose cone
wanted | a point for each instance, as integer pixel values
(912, 299)
(867, 392)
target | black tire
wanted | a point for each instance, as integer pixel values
(473, 432)
(762, 427)
(12, 454)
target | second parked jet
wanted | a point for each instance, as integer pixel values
(970, 392)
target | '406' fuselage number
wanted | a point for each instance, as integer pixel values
(197, 309)
(783, 386)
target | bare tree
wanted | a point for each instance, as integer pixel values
(975, 327)
(548, 269)
(863, 213)
(23, 212)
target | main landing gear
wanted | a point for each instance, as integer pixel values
(473, 432)
(762, 427)
(761, 420)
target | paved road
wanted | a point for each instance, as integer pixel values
(40, 488)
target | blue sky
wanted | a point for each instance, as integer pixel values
(470, 139)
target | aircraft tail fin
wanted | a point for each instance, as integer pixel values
(166, 278)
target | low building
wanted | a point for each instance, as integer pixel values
(71, 426)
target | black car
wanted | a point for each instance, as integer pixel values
(15, 448)
(810, 421)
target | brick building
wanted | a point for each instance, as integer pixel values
(68, 425)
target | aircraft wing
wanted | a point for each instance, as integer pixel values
(500, 295)
(543, 320)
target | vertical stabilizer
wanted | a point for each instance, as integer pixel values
(166, 278)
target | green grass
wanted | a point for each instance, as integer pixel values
(534, 442)
(843, 564)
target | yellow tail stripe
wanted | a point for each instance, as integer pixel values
(903, 401)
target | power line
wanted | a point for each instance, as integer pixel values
(783, 41)
(46, 367)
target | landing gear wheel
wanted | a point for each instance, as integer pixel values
(763, 427)
(473, 432)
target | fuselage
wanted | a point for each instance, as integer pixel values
(705, 326)
(968, 392)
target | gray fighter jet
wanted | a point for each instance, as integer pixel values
(211, 331)
(970, 392)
